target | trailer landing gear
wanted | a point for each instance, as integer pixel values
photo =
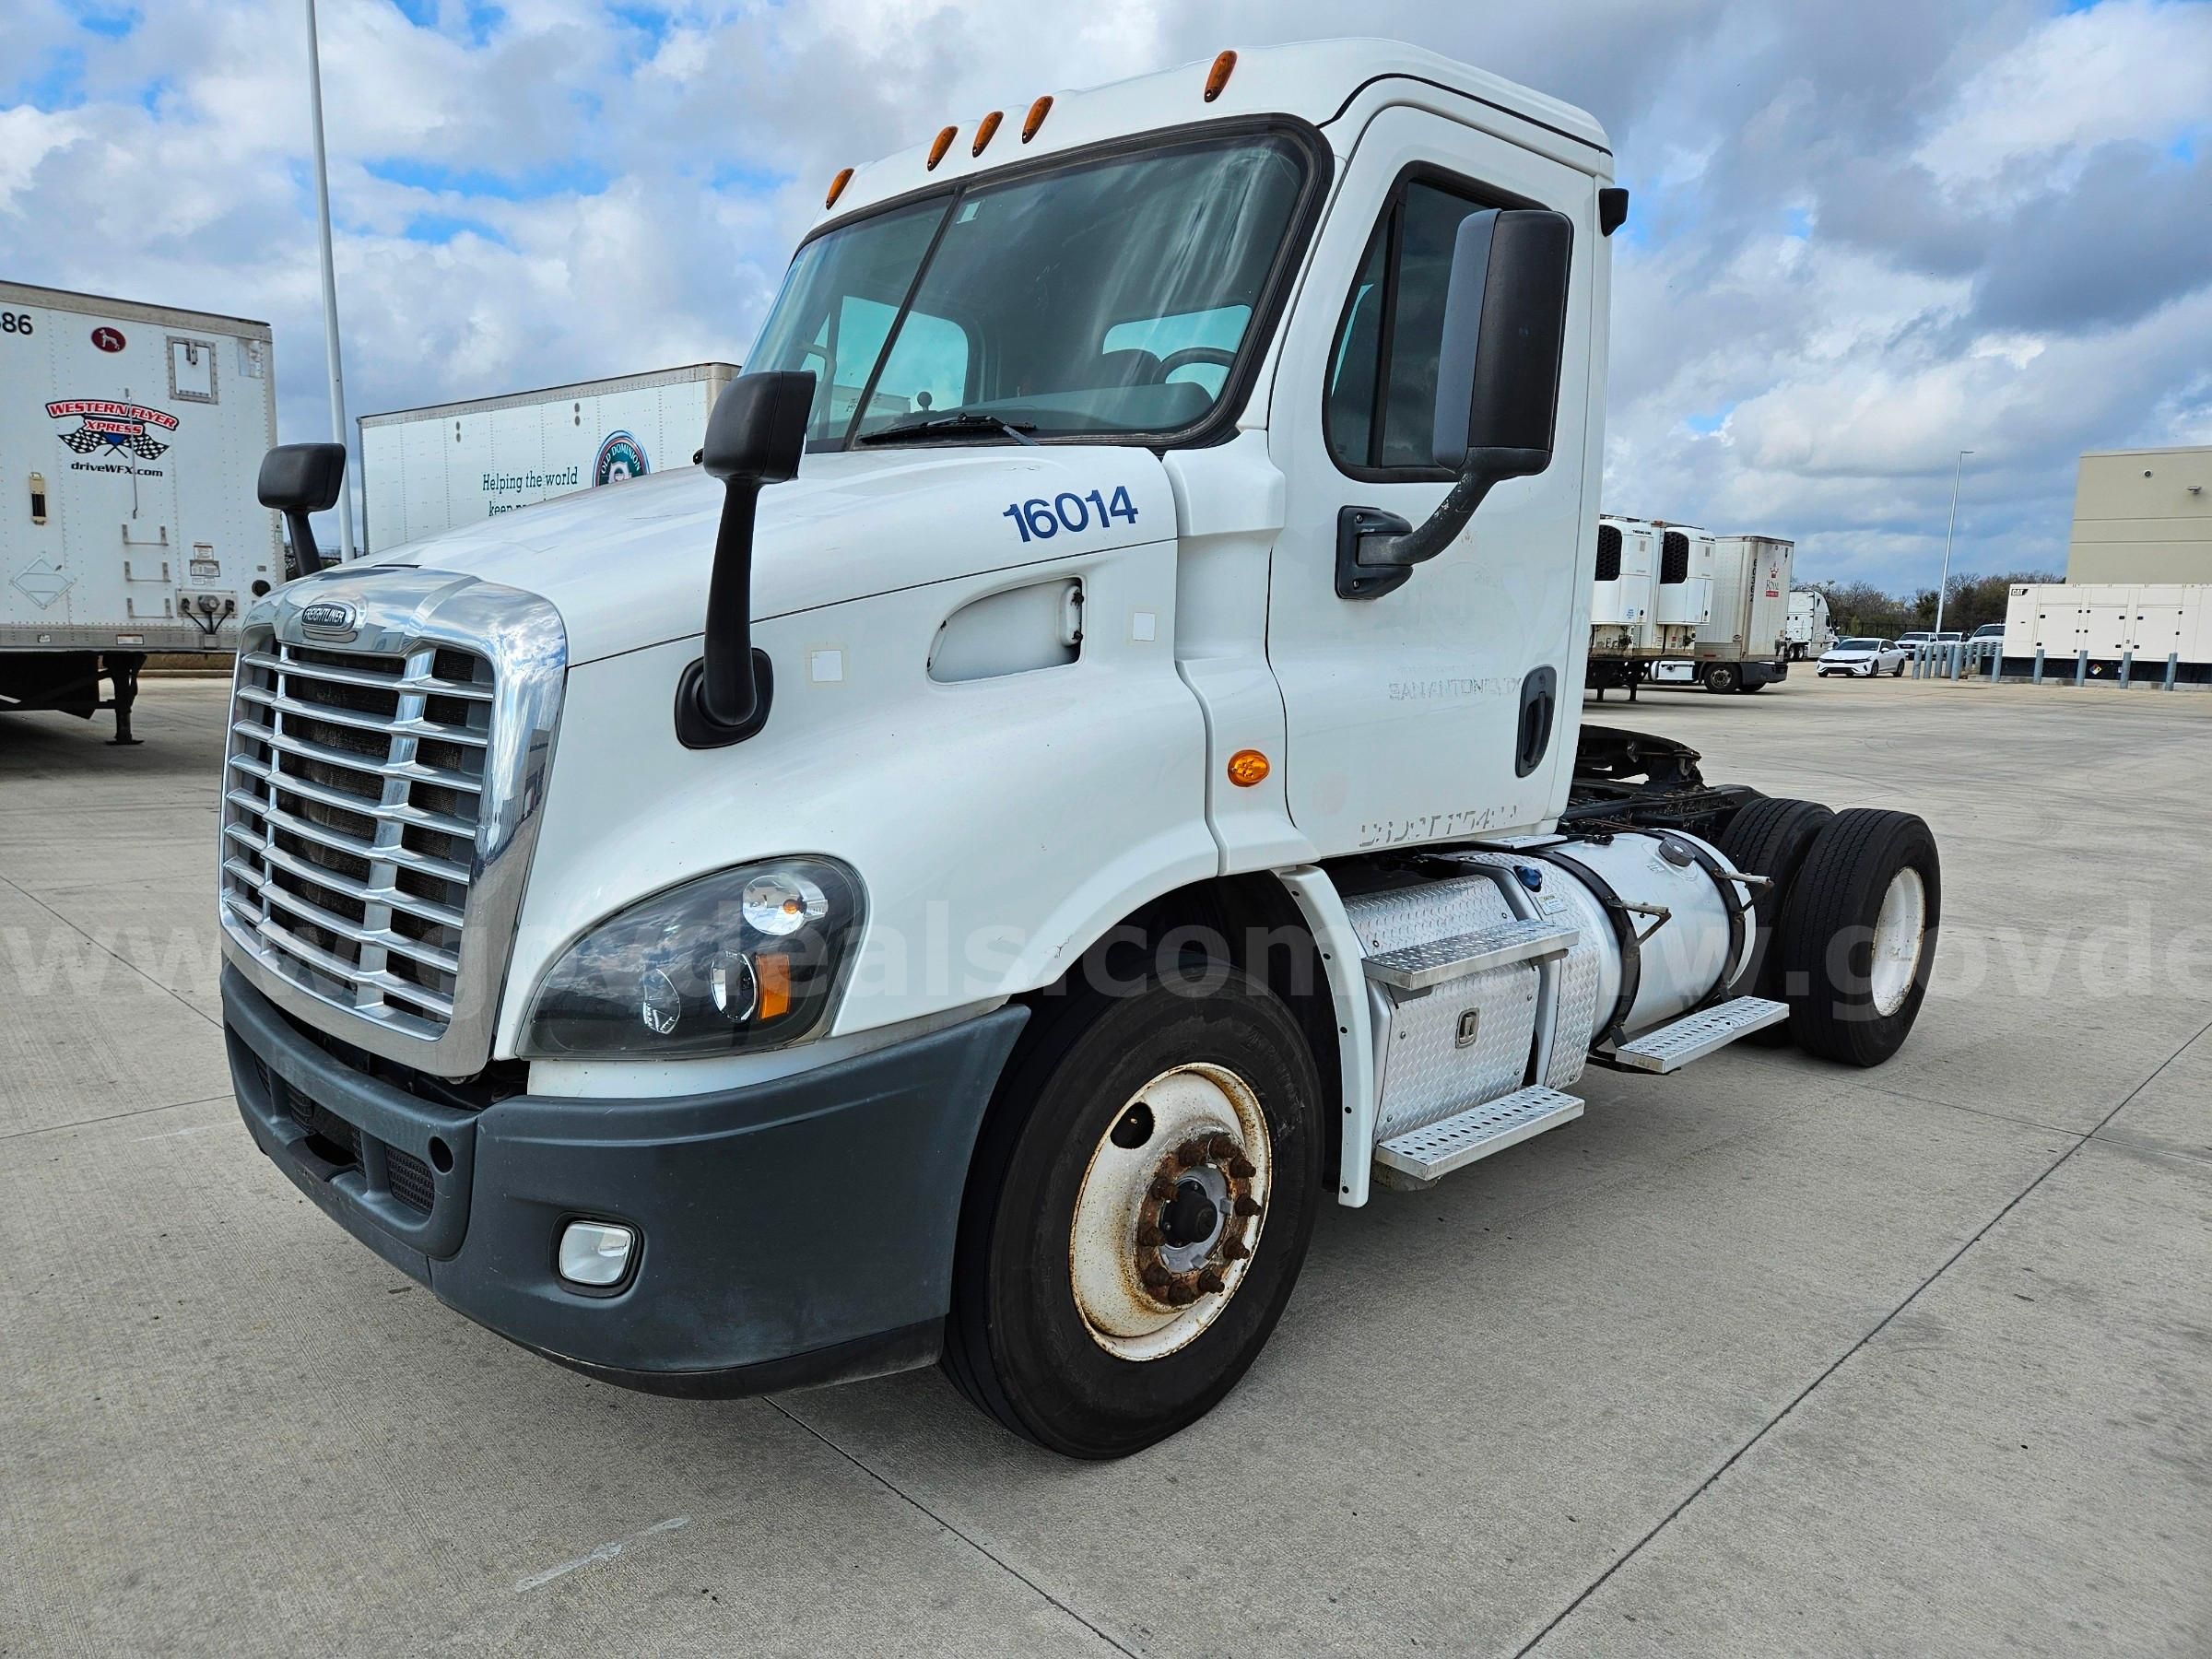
(122, 673)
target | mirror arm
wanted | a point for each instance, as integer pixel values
(1376, 551)
(304, 551)
(723, 697)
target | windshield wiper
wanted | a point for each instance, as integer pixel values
(965, 420)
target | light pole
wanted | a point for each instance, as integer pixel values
(330, 280)
(1941, 585)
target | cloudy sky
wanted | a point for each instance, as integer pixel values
(1864, 237)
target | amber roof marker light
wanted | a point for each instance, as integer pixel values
(987, 131)
(1035, 118)
(1217, 77)
(938, 149)
(837, 188)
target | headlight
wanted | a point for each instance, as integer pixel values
(746, 959)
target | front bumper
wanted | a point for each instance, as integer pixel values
(792, 1232)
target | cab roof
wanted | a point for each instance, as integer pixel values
(1315, 81)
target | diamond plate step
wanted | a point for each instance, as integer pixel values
(1417, 968)
(1442, 1147)
(1671, 1047)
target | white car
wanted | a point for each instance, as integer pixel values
(1865, 658)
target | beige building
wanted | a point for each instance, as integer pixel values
(2143, 515)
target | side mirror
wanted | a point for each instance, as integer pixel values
(755, 435)
(297, 479)
(1497, 388)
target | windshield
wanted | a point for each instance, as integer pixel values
(1858, 645)
(1106, 297)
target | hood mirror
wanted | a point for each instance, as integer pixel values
(297, 479)
(756, 436)
(1497, 388)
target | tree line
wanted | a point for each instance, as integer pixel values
(1860, 607)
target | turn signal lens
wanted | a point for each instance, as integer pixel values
(938, 149)
(1037, 112)
(988, 131)
(774, 975)
(1247, 766)
(837, 187)
(1217, 77)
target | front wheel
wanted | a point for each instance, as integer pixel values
(1721, 676)
(1138, 1211)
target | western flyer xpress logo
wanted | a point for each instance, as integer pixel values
(110, 427)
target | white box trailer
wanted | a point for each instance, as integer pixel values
(1807, 631)
(130, 437)
(1741, 647)
(2110, 628)
(426, 471)
(1682, 601)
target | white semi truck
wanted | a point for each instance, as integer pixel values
(129, 437)
(428, 470)
(1806, 631)
(1084, 776)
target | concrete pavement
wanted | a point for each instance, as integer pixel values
(1765, 1356)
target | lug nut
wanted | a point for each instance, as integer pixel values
(1246, 1204)
(1179, 1296)
(1191, 1154)
(1221, 1145)
(1211, 1282)
(1157, 1278)
(1148, 1234)
(1236, 1250)
(1162, 1188)
(1243, 1168)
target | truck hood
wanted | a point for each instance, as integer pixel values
(627, 564)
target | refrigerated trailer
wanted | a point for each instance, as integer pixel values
(1742, 645)
(427, 470)
(1084, 776)
(129, 436)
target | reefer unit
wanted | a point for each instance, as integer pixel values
(130, 438)
(1682, 599)
(1620, 599)
(425, 471)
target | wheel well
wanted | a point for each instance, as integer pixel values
(1251, 923)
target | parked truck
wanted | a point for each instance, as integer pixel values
(427, 470)
(1081, 778)
(1807, 631)
(1741, 647)
(128, 443)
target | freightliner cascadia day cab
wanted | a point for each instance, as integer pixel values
(1081, 777)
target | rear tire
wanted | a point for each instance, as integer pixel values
(1056, 1328)
(1858, 936)
(1721, 676)
(1769, 838)
(1896, 672)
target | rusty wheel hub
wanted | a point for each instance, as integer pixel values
(1169, 1212)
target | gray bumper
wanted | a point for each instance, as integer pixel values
(796, 1232)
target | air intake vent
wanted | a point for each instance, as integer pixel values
(1674, 558)
(1609, 553)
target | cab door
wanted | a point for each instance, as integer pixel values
(1437, 710)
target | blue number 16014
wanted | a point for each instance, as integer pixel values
(1040, 520)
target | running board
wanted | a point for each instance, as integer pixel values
(1671, 1047)
(1412, 970)
(1427, 1154)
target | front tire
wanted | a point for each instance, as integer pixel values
(1138, 1211)
(1858, 936)
(1721, 676)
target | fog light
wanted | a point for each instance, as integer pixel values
(595, 1252)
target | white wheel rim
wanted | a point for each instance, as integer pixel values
(1144, 1292)
(1899, 931)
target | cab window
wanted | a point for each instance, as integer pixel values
(1379, 410)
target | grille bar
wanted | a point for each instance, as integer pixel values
(284, 743)
(474, 691)
(334, 715)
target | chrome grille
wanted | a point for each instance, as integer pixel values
(350, 809)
